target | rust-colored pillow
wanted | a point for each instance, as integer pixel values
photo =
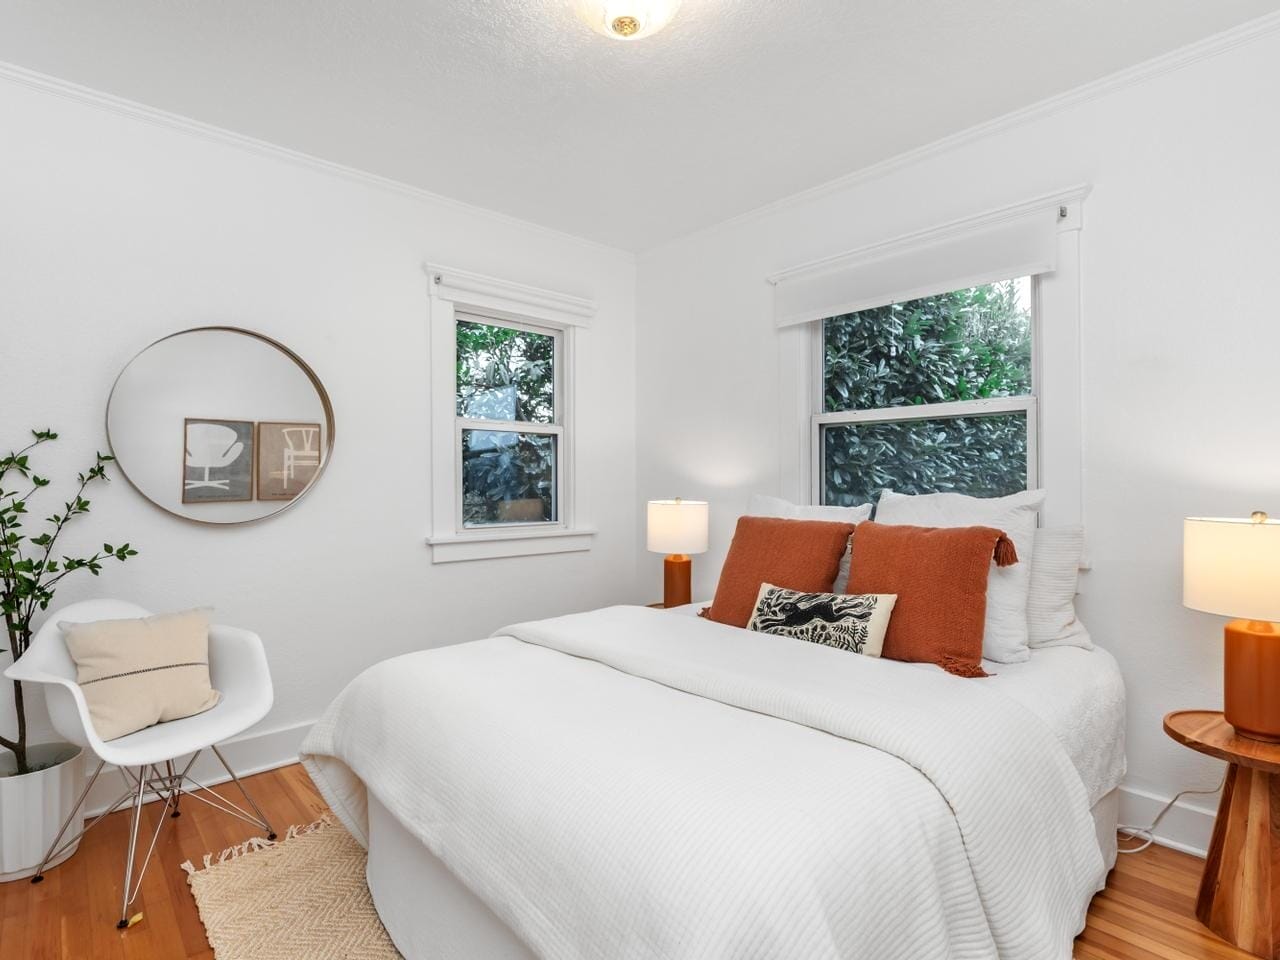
(796, 554)
(940, 577)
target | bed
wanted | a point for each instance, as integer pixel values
(634, 783)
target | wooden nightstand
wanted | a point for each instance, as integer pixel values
(1240, 890)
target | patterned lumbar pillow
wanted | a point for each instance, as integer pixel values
(134, 673)
(854, 622)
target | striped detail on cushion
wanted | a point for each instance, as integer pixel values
(134, 673)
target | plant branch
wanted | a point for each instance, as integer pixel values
(73, 508)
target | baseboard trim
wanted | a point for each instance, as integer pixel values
(254, 753)
(1186, 827)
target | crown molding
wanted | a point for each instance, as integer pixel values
(1170, 62)
(134, 110)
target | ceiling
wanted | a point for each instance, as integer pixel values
(516, 106)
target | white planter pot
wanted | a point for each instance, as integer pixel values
(34, 805)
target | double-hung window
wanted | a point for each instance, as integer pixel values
(929, 395)
(509, 422)
(502, 375)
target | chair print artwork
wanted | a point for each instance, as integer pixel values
(302, 449)
(289, 457)
(211, 446)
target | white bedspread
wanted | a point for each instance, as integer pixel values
(675, 788)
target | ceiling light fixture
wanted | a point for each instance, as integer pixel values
(626, 19)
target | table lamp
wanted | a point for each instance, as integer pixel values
(1232, 568)
(677, 528)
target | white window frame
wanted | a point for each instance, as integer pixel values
(553, 429)
(1026, 404)
(458, 295)
(1058, 347)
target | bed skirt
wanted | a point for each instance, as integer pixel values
(430, 915)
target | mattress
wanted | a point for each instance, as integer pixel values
(430, 915)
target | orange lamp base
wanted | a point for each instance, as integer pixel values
(677, 580)
(1251, 677)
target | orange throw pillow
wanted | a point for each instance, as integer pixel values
(796, 554)
(940, 577)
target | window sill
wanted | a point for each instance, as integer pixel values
(489, 545)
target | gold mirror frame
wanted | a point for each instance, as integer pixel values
(302, 365)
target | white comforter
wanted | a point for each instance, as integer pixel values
(628, 784)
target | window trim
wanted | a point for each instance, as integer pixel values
(462, 296)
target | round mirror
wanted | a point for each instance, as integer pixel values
(220, 425)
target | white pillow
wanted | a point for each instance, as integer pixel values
(1051, 601)
(1005, 638)
(762, 505)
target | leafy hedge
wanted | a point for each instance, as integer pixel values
(965, 345)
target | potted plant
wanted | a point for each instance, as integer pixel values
(39, 783)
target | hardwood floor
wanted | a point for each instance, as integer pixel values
(1146, 912)
(73, 913)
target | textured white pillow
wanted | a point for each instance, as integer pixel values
(762, 505)
(1051, 601)
(1005, 636)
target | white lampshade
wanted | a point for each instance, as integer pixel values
(1232, 567)
(678, 526)
(626, 19)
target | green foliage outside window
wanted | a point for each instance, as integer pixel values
(968, 344)
(506, 374)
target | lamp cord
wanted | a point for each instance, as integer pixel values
(1147, 834)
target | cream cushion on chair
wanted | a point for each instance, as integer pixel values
(135, 673)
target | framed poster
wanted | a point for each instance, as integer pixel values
(217, 462)
(289, 456)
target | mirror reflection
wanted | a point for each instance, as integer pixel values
(220, 425)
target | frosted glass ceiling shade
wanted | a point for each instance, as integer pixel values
(1232, 567)
(626, 19)
(678, 526)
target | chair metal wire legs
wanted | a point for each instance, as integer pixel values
(167, 786)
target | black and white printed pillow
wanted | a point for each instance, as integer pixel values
(854, 622)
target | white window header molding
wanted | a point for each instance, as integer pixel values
(508, 298)
(1015, 241)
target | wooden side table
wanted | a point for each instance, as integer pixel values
(1240, 890)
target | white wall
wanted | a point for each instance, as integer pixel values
(115, 231)
(1180, 329)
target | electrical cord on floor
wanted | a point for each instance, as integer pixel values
(1147, 834)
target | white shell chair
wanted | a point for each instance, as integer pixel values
(149, 758)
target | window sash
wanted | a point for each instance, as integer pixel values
(503, 426)
(555, 429)
(926, 411)
(557, 359)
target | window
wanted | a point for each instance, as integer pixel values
(929, 395)
(503, 361)
(509, 429)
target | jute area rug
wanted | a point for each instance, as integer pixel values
(300, 898)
